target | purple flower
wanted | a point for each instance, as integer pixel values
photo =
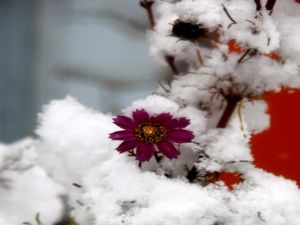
(148, 134)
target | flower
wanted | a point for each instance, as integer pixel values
(147, 134)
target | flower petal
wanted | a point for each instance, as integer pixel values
(122, 135)
(140, 116)
(127, 145)
(144, 152)
(163, 118)
(180, 136)
(181, 122)
(168, 149)
(124, 122)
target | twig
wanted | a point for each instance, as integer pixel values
(171, 62)
(239, 111)
(76, 185)
(258, 5)
(270, 5)
(243, 56)
(200, 59)
(260, 216)
(163, 87)
(240, 161)
(232, 102)
(229, 16)
(147, 5)
(37, 219)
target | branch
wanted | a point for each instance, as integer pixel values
(147, 5)
(228, 15)
(251, 52)
(243, 56)
(232, 102)
(270, 5)
(171, 62)
(258, 5)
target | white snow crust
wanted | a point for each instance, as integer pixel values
(108, 188)
(25, 188)
(114, 190)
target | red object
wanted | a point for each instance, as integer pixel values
(277, 149)
(230, 179)
(297, 1)
(234, 46)
(274, 56)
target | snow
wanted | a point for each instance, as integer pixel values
(105, 187)
(114, 190)
(155, 199)
(256, 116)
(25, 188)
(258, 33)
(207, 13)
(155, 104)
(70, 133)
(287, 18)
(259, 201)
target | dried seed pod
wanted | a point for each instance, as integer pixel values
(188, 31)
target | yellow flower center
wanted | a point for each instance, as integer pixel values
(150, 133)
(149, 130)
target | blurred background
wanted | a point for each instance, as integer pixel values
(94, 50)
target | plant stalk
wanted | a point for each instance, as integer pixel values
(232, 102)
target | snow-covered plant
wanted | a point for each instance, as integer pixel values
(27, 194)
(175, 143)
